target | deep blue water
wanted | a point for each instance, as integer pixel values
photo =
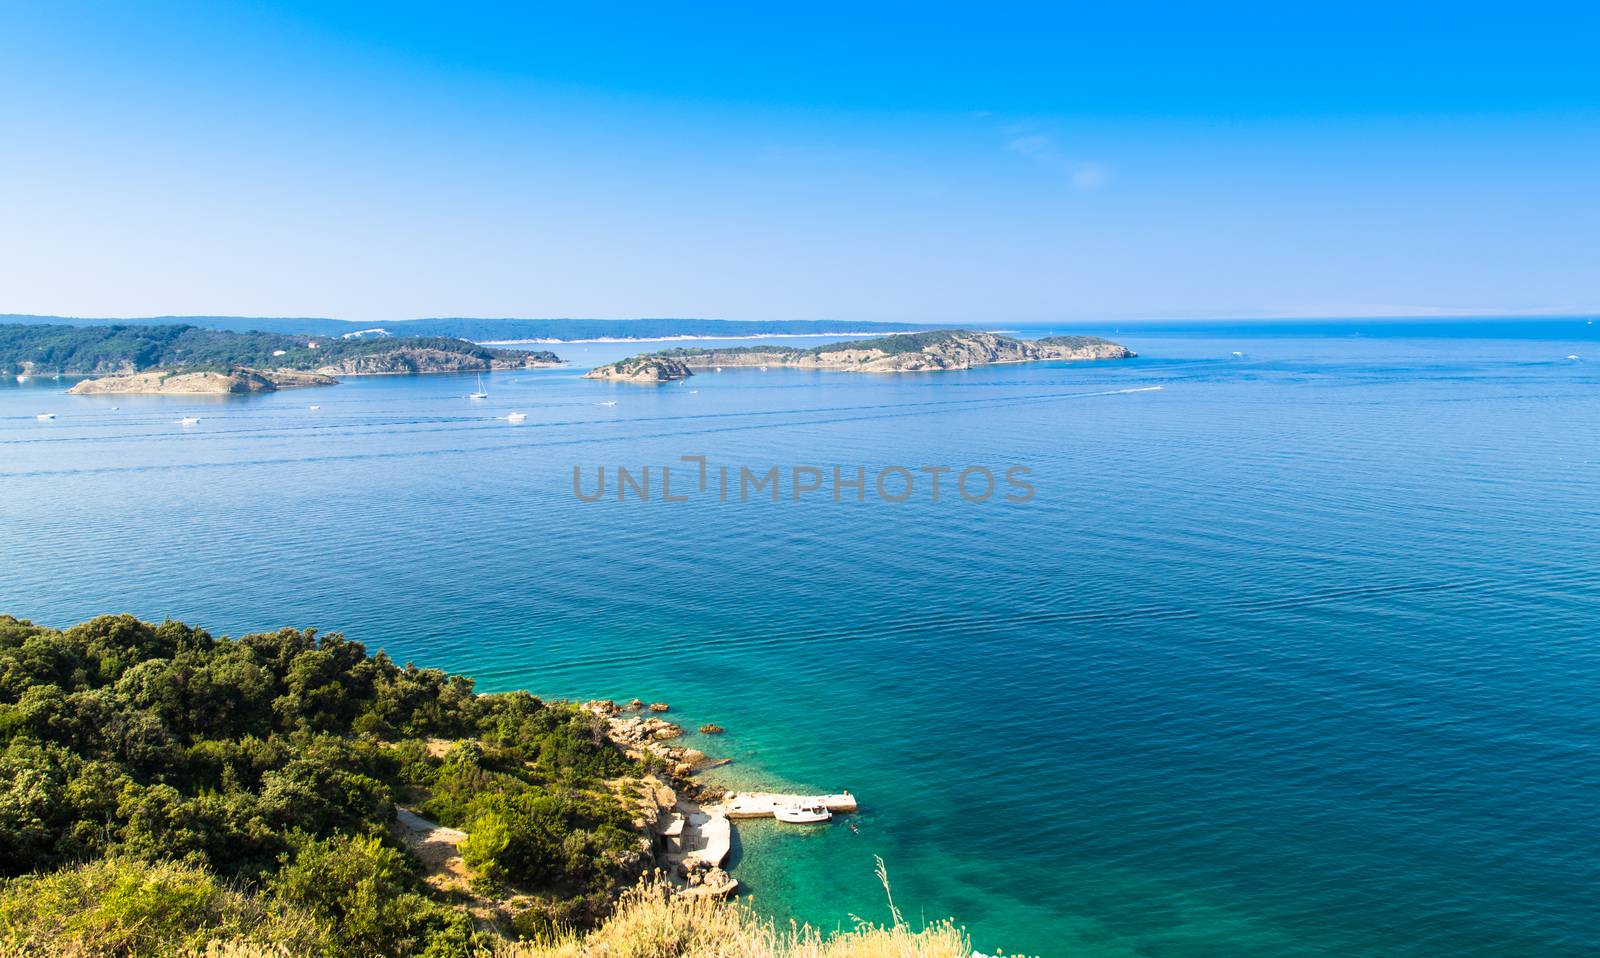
(1294, 656)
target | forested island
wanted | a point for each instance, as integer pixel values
(909, 352)
(241, 361)
(167, 792)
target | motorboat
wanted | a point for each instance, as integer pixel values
(516, 417)
(802, 813)
(45, 416)
(188, 421)
(313, 407)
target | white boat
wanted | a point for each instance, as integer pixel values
(609, 402)
(1237, 354)
(763, 369)
(481, 393)
(22, 377)
(719, 369)
(313, 408)
(188, 421)
(808, 813)
(44, 416)
(516, 417)
(1574, 357)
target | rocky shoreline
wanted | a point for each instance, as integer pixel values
(911, 352)
(687, 822)
(159, 382)
(407, 362)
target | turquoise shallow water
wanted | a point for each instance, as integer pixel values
(1294, 656)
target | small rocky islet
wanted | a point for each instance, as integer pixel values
(911, 352)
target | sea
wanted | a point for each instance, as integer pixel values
(1281, 639)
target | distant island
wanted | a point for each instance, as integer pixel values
(911, 352)
(494, 330)
(190, 360)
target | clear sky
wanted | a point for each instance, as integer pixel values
(926, 162)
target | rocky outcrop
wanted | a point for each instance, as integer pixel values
(650, 369)
(914, 352)
(177, 383)
(1082, 347)
(644, 737)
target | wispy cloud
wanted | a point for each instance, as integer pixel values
(1084, 175)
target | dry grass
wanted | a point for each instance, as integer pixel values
(650, 923)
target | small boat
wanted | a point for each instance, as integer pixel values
(609, 402)
(22, 377)
(763, 369)
(1574, 357)
(44, 416)
(1237, 354)
(808, 813)
(719, 369)
(694, 392)
(313, 407)
(516, 417)
(188, 421)
(481, 393)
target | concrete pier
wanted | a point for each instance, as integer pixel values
(765, 804)
(698, 834)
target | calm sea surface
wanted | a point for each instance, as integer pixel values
(1296, 655)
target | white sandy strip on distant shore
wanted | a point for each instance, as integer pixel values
(674, 339)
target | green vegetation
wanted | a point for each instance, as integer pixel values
(92, 350)
(161, 787)
(892, 345)
(1074, 342)
(905, 343)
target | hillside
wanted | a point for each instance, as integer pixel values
(114, 350)
(166, 792)
(277, 760)
(911, 352)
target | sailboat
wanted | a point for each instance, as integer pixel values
(481, 393)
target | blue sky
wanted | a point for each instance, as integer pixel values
(985, 163)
